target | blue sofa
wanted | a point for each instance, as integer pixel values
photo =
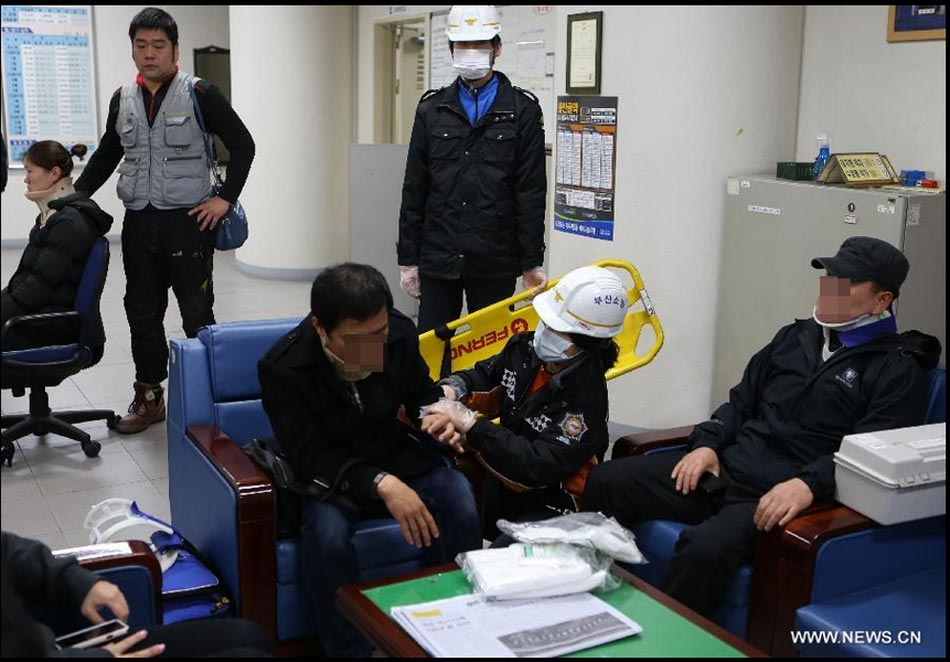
(223, 503)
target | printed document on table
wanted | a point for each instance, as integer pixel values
(473, 626)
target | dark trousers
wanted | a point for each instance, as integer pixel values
(162, 249)
(211, 637)
(709, 554)
(330, 556)
(441, 300)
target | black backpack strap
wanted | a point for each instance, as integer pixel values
(445, 334)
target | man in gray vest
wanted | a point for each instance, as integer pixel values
(171, 209)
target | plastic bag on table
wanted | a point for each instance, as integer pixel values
(605, 534)
(523, 571)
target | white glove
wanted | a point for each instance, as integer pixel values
(535, 278)
(409, 281)
(462, 417)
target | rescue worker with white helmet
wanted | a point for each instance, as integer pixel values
(472, 214)
(551, 394)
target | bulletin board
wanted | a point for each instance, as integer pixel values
(48, 77)
(527, 55)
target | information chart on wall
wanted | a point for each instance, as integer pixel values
(585, 166)
(48, 77)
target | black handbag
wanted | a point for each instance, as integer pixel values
(266, 454)
(231, 231)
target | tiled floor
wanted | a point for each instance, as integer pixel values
(52, 484)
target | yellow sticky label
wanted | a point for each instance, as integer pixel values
(427, 614)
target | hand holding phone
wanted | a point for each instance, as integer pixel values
(96, 635)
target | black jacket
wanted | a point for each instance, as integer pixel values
(787, 416)
(34, 580)
(325, 432)
(544, 437)
(473, 198)
(51, 267)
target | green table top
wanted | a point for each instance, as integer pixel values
(665, 633)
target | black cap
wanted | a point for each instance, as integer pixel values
(867, 258)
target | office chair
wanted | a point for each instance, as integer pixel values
(39, 368)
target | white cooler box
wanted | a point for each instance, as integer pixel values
(894, 476)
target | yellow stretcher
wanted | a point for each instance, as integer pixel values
(484, 333)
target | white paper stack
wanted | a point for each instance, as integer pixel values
(473, 626)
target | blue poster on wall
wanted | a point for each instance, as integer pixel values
(48, 77)
(585, 166)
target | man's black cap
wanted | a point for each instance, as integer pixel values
(867, 258)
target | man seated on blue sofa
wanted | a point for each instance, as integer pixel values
(767, 453)
(332, 389)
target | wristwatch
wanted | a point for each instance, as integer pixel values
(376, 480)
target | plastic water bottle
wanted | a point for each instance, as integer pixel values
(824, 152)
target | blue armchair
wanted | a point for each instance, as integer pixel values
(40, 368)
(223, 503)
(792, 566)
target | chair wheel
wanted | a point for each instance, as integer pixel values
(112, 422)
(41, 430)
(6, 455)
(92, 448)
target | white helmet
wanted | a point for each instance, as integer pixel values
(473, 23)
(591, 301)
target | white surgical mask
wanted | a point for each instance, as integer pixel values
(549, 346)
(472, 63)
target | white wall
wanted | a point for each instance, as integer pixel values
(198, 26)
(871, 95)
(704, 93)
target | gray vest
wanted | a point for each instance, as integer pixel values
(166, 163)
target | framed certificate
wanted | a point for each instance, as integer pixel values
(916, 22)
(584, 46)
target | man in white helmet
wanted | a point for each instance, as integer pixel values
(473, 201)
(550, 391)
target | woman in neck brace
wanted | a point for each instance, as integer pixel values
(549, 389)
(51, 266)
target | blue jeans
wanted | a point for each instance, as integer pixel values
(328, 559)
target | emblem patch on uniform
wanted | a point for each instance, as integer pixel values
(848, 377)
(539, 423)
(574, 426)
(508, 381)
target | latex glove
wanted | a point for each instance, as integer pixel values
(441, 428)
(409, 281)
(535, 278)
(462, 417)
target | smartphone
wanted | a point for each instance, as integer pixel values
(95, 635)
(710, 483)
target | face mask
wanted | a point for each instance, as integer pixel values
(339, 366)
(549, 346)
(472, 63)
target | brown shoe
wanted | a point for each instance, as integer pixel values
(147, 407)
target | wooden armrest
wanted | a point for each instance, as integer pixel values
(784, 572)
(255, 494)
(141, 555)
(641, 443)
